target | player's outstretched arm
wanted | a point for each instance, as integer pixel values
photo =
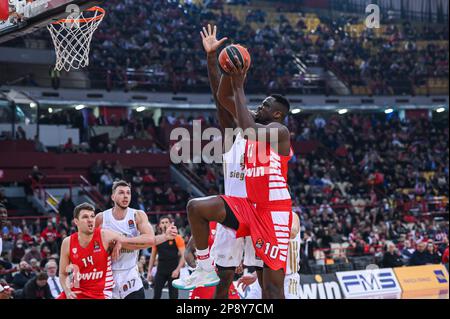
(146, 239)
(64, 263)
(211, 44)
(147, 236)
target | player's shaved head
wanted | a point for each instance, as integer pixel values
(281, 104)
(274, 108)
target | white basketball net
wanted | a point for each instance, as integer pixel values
(72, 39)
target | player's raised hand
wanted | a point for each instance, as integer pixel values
(238, 71)
(171, 232)
(210, 42)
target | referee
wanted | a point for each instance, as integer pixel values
(170, 261)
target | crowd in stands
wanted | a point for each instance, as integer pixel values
(388, 65)
(30, 257)
(174, 54)
(171, 53)
(374, 179)
(377, 185)
(148, 193)
(134, 126)
(160, 48)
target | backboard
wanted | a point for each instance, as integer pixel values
(26, 16)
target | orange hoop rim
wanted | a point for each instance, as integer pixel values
(84, 20)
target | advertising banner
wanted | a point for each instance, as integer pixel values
(430, 281)
(324, 286)
(369, 283)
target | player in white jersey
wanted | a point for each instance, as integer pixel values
(134, 224)
(292, 277)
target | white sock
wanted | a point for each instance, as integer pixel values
(204, 260)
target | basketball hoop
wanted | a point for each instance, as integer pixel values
(72, 38)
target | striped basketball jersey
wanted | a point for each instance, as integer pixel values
(293, 261)
(92, 274)
(266, 174)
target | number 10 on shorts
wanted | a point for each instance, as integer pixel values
(271, 251)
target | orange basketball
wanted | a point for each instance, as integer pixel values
(226, 57)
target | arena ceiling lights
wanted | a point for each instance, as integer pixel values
(296, 111)
(388, 111)
(140, 109)
(80, 107)
(440, 110)
(342, 111)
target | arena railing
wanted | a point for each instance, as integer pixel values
(65, 181)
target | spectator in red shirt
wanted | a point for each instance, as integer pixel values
(148, 178)
(68, 147)
(26, 236)
(50, 231)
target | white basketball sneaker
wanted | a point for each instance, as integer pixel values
(198, 278)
